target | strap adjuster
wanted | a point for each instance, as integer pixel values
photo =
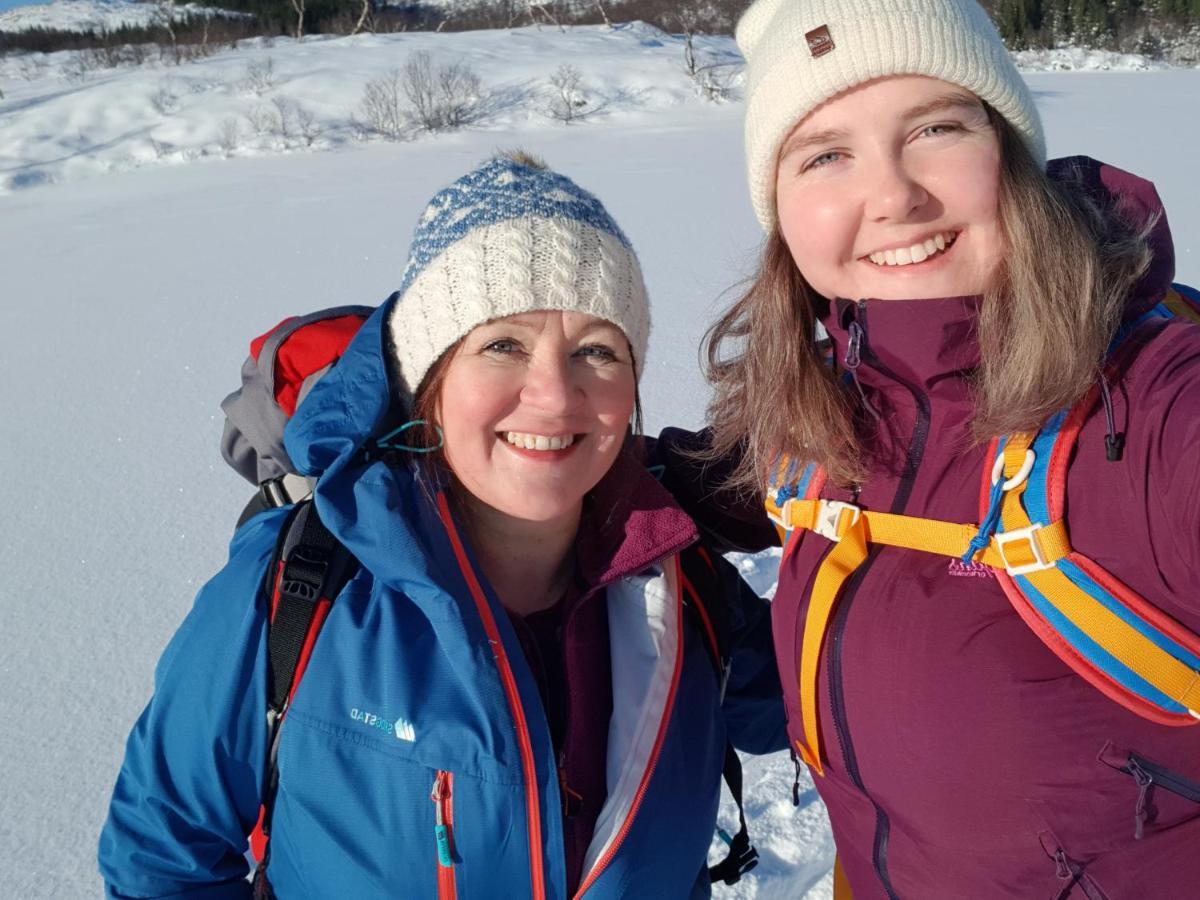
(1028, 536)
(284, 490)
(829, 514)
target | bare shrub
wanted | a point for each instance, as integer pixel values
(285, 113)
(715, 80)
(260, 76)
(307, 125)
(32, 67)
(164, 99)
(566, 101)
(261, 118)
(381, 109)
(80, 66)
(440, 99)
(229, 135)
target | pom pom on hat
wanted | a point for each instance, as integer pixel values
(512, 237)
(801, 53)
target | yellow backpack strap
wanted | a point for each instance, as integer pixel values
(1183, 301)
(1121, 644)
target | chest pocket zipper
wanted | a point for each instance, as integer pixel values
(442, 796)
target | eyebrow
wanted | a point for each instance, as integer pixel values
(951, 100)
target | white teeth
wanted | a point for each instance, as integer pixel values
(539, 441)
(904, 256)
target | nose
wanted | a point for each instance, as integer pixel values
(896, 193)
(550, 385)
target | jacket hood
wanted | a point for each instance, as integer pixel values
(1136, 200)
(631, 520)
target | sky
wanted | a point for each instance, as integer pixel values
(9, 4)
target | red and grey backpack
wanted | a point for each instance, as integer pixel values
(310, 566)
(1119, 642)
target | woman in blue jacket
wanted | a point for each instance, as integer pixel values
(515, 695)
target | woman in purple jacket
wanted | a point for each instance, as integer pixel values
(969, 292)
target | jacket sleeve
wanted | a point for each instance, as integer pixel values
(729, 519)
(753, 701)
(188, 791)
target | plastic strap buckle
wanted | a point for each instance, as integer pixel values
(1029, 536)
(284, 490)
(829, 514)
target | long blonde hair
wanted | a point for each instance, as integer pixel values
(1044, 329)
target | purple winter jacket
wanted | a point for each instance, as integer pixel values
(964, 759)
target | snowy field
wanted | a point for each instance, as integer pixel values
(131, 282)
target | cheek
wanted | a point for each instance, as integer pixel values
(818, 229)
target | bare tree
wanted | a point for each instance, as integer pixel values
(567, 102)
(163, 17)
(362, 17)
(298, 6)
(603, 14)
(545, 12)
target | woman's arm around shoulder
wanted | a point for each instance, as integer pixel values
(729, 519)
(752, 705)
(188, 791)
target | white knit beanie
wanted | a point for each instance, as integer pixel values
(800, 53)
(512, 237)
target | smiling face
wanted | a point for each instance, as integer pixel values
(534, 408)
(890, 191)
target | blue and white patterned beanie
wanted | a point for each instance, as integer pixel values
(512, 237)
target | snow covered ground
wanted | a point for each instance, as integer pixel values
(128, 299)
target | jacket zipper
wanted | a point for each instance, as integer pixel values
(1146, 775)
(602, 863)
(1156, 774)
(857, 350)
(533, 809)
(443, 817)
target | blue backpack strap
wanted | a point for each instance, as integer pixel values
(1183, 301)
(1118, 641)
(790, 479)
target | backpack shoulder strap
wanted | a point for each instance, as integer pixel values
(307, 572)
(1123, 645)
(703, 594)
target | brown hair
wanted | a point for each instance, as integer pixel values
(1044, 329)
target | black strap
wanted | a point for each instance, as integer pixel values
(315, 567)
(742, 856)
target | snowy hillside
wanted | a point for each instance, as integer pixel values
(83, 15)
(132, 280)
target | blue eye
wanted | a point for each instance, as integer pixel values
(825, 159)
(597, 353)
(503, 345)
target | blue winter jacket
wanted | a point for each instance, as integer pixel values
(418, 677)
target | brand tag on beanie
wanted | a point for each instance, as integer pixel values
(819, 41)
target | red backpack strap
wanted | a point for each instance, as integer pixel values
(307, 572)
